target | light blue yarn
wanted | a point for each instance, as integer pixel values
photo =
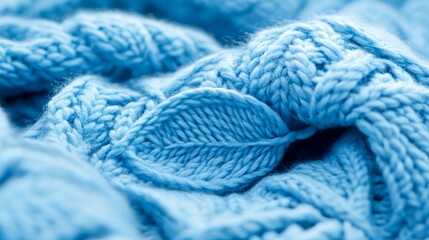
(280, 205)
(395, 16)
(39, 56)
(315, 128)
(35, 54)
(226, 20)
(332, 74)
(407, 22)
(46, 193)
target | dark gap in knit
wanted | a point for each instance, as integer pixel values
(17, 35)
(11, 172)
(119, 74)
(313, 148)
(150, 9)
(23, 110)
(97, 232)
(381, 208)
(224, 30)
(146, 217)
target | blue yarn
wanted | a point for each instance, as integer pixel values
(125, 127)
(397, 21)
(226, 20)
(280, 205)
(34, 55)
(219, 124)
(46, 193)
(24, 110)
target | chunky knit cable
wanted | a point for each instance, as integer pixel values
(34, 54)
(225, 19)
(223, 122)
(397, 21)
(314, 129)
(394, 16)
(278, 207)
(228, 20)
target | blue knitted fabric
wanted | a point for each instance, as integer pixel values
(198, 119)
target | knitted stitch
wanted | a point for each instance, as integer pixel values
(33, 55)
(225, 19)
(46, 193)
(412, 13)
(314, 129)
(395, 18)
(278, 207)
(186, 135)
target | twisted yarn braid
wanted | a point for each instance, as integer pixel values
(314, 129)
(277, 206)
(224, 19)
(228, 20)
(328, 73)
(118, 120)
(33, 56)
(395, 16)
(397, 21)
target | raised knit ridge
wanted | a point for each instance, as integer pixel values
(328, 73)
(312, 129)
(122, 46)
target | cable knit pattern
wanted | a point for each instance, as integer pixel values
(213, 16)
(311, 129)
(33, 55)
(323, 79)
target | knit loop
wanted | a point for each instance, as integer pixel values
(216, 127)
(182, 142)
(120, 45)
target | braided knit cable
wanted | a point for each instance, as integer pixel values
(34, 54)
(324, 74)
(224, 19)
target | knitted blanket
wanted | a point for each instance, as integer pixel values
(199, 119)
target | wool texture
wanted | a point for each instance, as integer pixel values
(192, 119)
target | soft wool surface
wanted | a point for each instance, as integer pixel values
(189, 119)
